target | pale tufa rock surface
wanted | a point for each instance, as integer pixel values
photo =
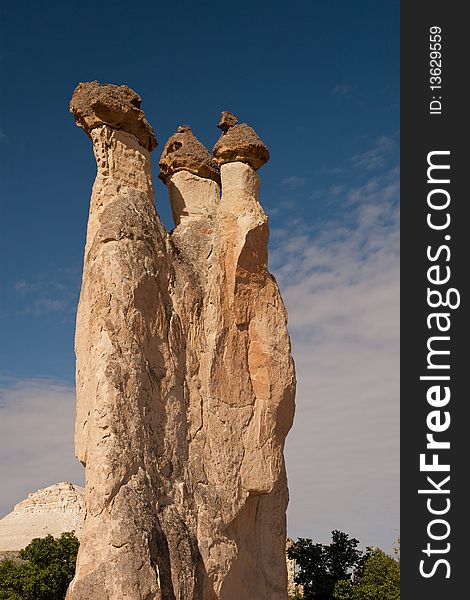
(53, 510)
(185, 388)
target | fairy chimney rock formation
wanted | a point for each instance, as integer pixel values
(185, 380)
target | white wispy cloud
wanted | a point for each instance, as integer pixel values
(374, 157)
(294, 182)
(341, 89)
(336, 190)
(340, 282)
(36, 432)
(48, 293)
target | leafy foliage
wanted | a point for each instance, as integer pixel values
(379, 579)
(321, 566)
(43, 572)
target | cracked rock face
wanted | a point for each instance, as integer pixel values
(239, 143)
(185, 387)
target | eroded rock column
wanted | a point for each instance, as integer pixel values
(185, 382)
(131, 412)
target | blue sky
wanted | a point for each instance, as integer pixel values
(319, 83)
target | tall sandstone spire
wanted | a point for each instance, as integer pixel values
(185, 381)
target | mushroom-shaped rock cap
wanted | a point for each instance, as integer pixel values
(94, 104)
(184, 152)
(239, 142)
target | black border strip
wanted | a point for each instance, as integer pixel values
(423, 132)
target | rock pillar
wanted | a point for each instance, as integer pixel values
(185, 382)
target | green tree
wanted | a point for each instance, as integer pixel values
(43, 572)
(378, 580)
(321, 566)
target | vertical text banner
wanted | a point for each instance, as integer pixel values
(435, 357)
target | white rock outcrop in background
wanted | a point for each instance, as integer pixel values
(53, 510)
